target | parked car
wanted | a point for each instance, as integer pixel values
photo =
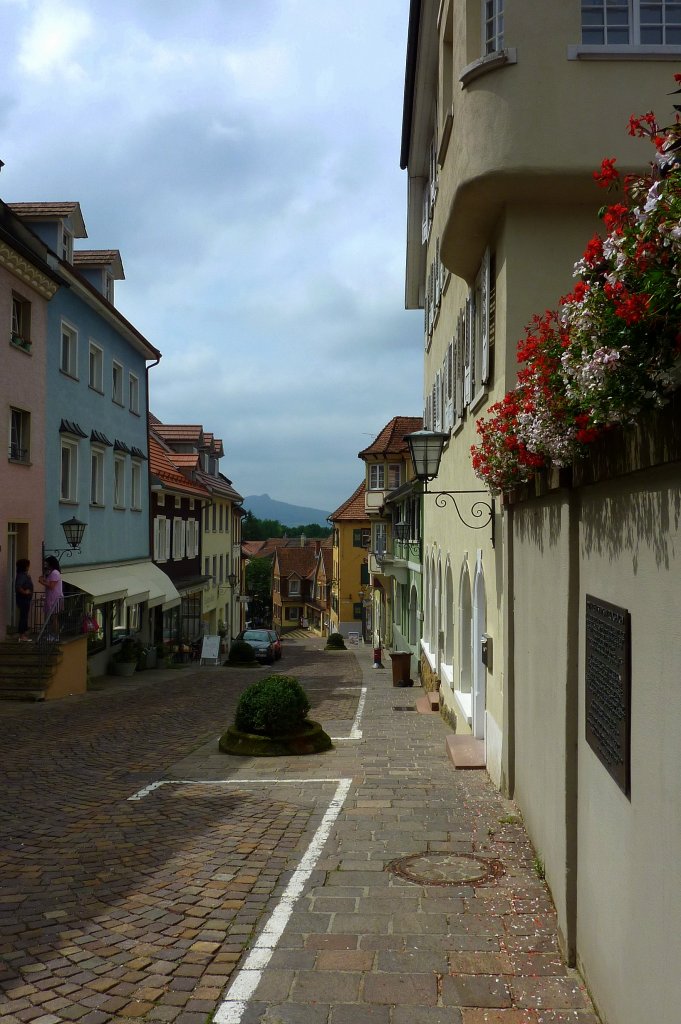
(260, 641)
(276, 643)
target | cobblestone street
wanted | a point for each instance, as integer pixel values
(119, 909)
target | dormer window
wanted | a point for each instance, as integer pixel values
(66, 245)
(376, 477)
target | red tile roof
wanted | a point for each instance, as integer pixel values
(298, 561)
(353, 508)
(391, 441)
(161, 465)
(181, 433)
(216, 484)
(186, 460)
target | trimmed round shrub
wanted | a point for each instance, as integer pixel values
(274, 706)
(241, 653)
(336, 642)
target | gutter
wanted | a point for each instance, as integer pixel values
(410, 80)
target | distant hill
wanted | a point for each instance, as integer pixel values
(264, 507)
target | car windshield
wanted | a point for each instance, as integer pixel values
(256, 634)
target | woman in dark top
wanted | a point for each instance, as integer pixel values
(23, 589)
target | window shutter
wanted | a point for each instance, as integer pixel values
(425, 216)
(443, 396)
(449, 362)
(473, 345)
(467, 354)
(157, 544)
(437, 276)
(485, 316)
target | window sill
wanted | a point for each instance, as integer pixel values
(97, 390)
(65, 373)
(22, 346)
(483, 65)
(118, 401)
(119, 508)
(585, 51)
(478, 401)
(97, 504)
(69, 501)
(20, 462)
(134, 412)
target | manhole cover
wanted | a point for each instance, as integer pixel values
(446, 869)
(404, 707)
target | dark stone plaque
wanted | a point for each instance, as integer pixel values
(608, 687)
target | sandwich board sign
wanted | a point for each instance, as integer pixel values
(210, 649)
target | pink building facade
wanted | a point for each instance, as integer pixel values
(26, 286)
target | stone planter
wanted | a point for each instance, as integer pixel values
(311, 739)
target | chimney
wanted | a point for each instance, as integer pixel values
(302, 540)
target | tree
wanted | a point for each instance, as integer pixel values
(259, 588)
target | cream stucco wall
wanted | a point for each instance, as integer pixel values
(613, 862)
(541, 699)
(629, 880)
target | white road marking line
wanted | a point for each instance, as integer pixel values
(247, 980)
(356, 732)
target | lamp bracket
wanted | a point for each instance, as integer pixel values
(60, 552)
(479, 510)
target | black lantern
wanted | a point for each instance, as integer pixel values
(231, 579)
(401, 531)
(73, 531)
(425, 448)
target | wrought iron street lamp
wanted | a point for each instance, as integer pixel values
(425, 449)
(73, 531)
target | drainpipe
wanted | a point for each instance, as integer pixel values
(508, 627)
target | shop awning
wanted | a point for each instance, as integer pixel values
(162, 590)
(134, 582)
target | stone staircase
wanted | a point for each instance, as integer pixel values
(26, 669)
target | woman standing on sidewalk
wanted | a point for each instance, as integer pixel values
(23, 590)
(51, 580)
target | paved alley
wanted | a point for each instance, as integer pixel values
(147, 877)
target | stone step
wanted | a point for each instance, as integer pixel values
(29, 688)
(465, 751)
(424, 706)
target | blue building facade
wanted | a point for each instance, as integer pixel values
(96, 441)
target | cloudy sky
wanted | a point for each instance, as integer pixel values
(243, 155)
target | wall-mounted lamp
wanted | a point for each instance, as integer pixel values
(73, 531)
(425, 448)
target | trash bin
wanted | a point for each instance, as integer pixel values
(401, 665)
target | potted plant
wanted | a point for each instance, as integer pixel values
(271, 721)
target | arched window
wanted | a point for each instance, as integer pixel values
(449, 616)
(465, 630)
